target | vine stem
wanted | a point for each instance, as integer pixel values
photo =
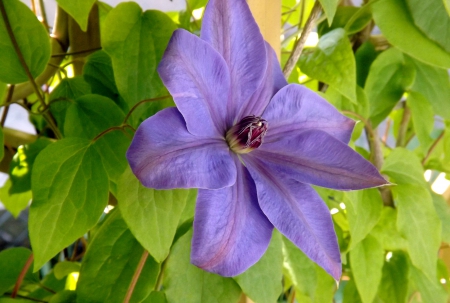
(300, 44)
(48, 118)
(136, 275)
(403, 126)
(432, 147)
(22, 274)
(7, 104)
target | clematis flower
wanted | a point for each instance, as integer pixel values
(251, 144)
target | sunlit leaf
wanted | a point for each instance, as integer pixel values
(311, 282)
(386, 231)
(366, 261)
(397, 25)
(363, 212)
(110, 263)
(404, 167)
(332, 62)
(186, 283)
(135, 41)
(423, 119)
(32, 39)
(430, 289)
(14, 202)
(389, 76)
(418, 222)
(79, 10)
(62, 269)
(152, 215)
(70, 192)
(329, 7)
(262, 281)
(432, 19)
(443, 211)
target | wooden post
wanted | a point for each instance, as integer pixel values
(267, 14)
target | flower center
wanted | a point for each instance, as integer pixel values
(247, 135)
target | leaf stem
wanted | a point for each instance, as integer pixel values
(77, 52)
(159, 281)
(299, 45)
(29, 298)
(432, 147)
(142, 102)
(136, 275)
(47, 117)
(23, 272)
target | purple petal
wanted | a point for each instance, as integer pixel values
(297, 211)
(198, 80)
(296, 107)
(230, 28)
(230, 231)
(315, 157)
(164, 155)
(273, 81)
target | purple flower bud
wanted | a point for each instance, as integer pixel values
(247, 135)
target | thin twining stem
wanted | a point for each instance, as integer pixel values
(300, 44)
(136, 276)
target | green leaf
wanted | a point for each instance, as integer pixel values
(65, 296)
(14, 202)
(135, 41)
(404, 167)
(418, 222)
(431, 290)
(432, 19)
(422, 118)
(433, 83)
(363, 212)
(262, 281)
(49, 282)
(364, 57)
(186, 283)
(62, 269)
(32, 39)
(195, 4)
(21, 165)
(98, 72)
(79, 10)
(329, 7)
(395, 22)
(152, 215)
(343, 15)
(12, 261)
(332, 62)
(342, 103)
(70, 192)
(389, 76)
(66, 92)
(386, 231)
(366, 261)
(447, 6)
(443, 211)
(351, 294)
(156, 297)
(311, 282)
(110, 263)
(3, 88)
(394, 287)
(90, 115)
(2, 150)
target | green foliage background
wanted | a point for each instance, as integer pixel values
(90, 84)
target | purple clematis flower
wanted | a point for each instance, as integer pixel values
(250, 142)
